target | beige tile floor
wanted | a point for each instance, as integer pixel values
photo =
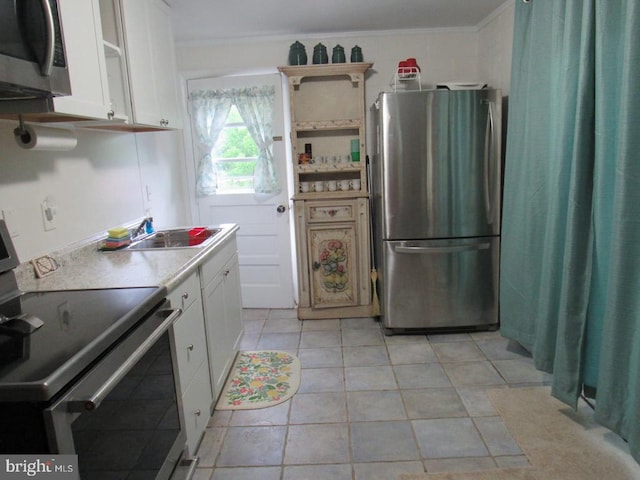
(370, 406)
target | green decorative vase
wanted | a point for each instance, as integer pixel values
(297, 54)
(338, 55)
(320, 55)
(356, 54)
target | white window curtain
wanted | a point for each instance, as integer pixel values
(210, 109)
(209, 112)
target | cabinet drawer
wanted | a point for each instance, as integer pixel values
(196, 404)
(184, 294)
(190, 342)
(215, 264)
(331, 212)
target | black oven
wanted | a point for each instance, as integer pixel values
(91, 373)
(122, 418)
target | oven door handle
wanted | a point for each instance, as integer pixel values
(93, 401)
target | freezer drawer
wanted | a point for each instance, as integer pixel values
(440, 283)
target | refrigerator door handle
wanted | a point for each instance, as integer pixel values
(488, 153)
(444, 249)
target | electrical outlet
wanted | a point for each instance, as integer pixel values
(48, 216)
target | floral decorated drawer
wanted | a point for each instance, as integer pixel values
(336, 212)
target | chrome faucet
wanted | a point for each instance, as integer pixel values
(141, 228)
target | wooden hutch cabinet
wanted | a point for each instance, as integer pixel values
(331, 199)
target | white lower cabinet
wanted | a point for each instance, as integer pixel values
(206, 336)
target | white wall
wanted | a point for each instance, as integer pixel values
(96, 186)
(163, 177)
(495, 42)
(442, 55)
(480, 54)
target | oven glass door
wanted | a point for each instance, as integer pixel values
(128, 426)
(132, 432)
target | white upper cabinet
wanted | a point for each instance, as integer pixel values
(121, 61)
(151, 67)
(164, 57)
(86, 61)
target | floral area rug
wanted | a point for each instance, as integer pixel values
(260, 379)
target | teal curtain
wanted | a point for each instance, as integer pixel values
(570, 264)
(617, 216)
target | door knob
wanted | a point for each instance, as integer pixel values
(281, 209)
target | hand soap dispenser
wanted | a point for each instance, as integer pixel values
(148, 226)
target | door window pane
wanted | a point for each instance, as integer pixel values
(235, 155)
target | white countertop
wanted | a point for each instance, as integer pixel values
(84, 267)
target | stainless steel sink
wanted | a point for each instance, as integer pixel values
(175, 238)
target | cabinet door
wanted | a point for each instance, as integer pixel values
(214, 307)
(223, 314)
(86, 60)
(232, 306)
(135, 21)
(333, 264)
(164, 65)
(150, 62)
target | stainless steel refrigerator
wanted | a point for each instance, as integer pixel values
(436, 182)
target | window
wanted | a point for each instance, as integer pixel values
(234, 155)
(233, 136)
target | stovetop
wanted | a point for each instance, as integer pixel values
(78, 326)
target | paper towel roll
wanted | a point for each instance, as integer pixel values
(36, 137)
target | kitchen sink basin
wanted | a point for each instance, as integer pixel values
(176, 238)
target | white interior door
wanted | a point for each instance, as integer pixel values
(264, 238)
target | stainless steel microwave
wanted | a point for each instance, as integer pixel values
(33, 67)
